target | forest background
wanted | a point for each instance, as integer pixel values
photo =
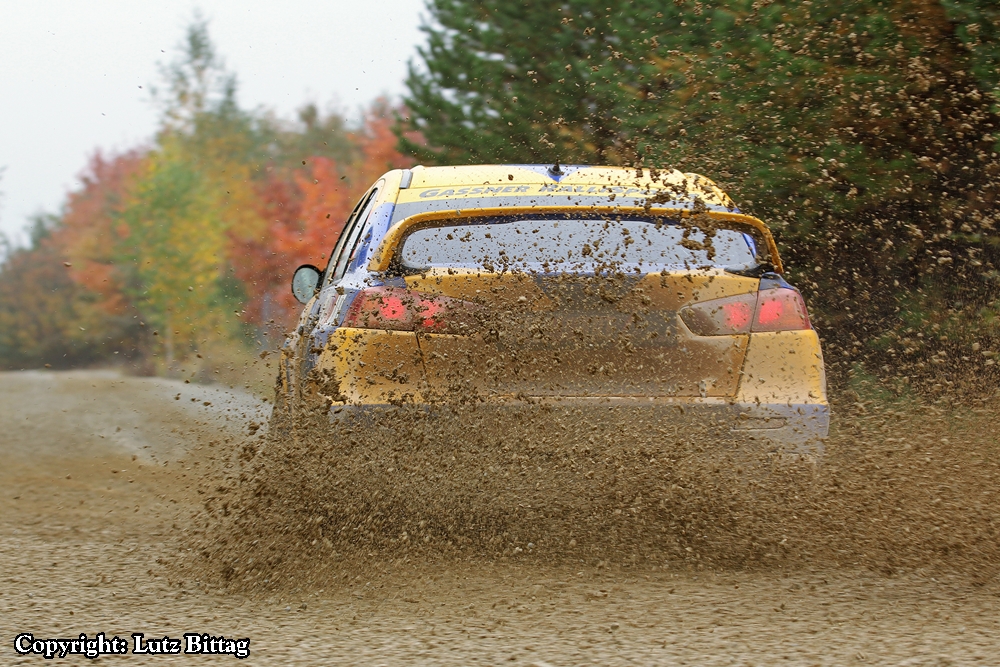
(866, 133)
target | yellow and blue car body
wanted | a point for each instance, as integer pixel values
(565, 285)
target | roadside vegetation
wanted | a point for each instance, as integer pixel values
(175, 256)
(865, 133)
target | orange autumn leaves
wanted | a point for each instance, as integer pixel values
(304, 216)
(89, 222)
(166, 251)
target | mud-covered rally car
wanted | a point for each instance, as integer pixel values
(584, 288)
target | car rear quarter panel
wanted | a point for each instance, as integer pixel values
(783, 367)
(369, 366)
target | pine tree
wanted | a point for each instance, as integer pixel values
(528, 82)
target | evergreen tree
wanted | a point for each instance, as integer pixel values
(528, 81)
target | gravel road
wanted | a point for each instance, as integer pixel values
(100, 477)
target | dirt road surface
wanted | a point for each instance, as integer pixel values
(97, 487)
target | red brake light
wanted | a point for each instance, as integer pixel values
(400, 309)
(737, 314)
(391, 308)
(779, 309)
(721, 317)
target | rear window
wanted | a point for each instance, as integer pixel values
(579, 245)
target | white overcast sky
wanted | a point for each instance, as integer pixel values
(71, 71)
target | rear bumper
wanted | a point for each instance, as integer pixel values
(786, 428)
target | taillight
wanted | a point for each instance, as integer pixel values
(779, 309)
(400, 309)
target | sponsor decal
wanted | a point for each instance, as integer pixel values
(485, 191)
(543, 188)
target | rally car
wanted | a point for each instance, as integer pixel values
(563, 285)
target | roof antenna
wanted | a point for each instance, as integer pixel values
(556, 170)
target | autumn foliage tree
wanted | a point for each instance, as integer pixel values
(46, 317)
(61, 299)
(186, 247)
(305, 211)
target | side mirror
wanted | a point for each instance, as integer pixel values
(305, 281)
